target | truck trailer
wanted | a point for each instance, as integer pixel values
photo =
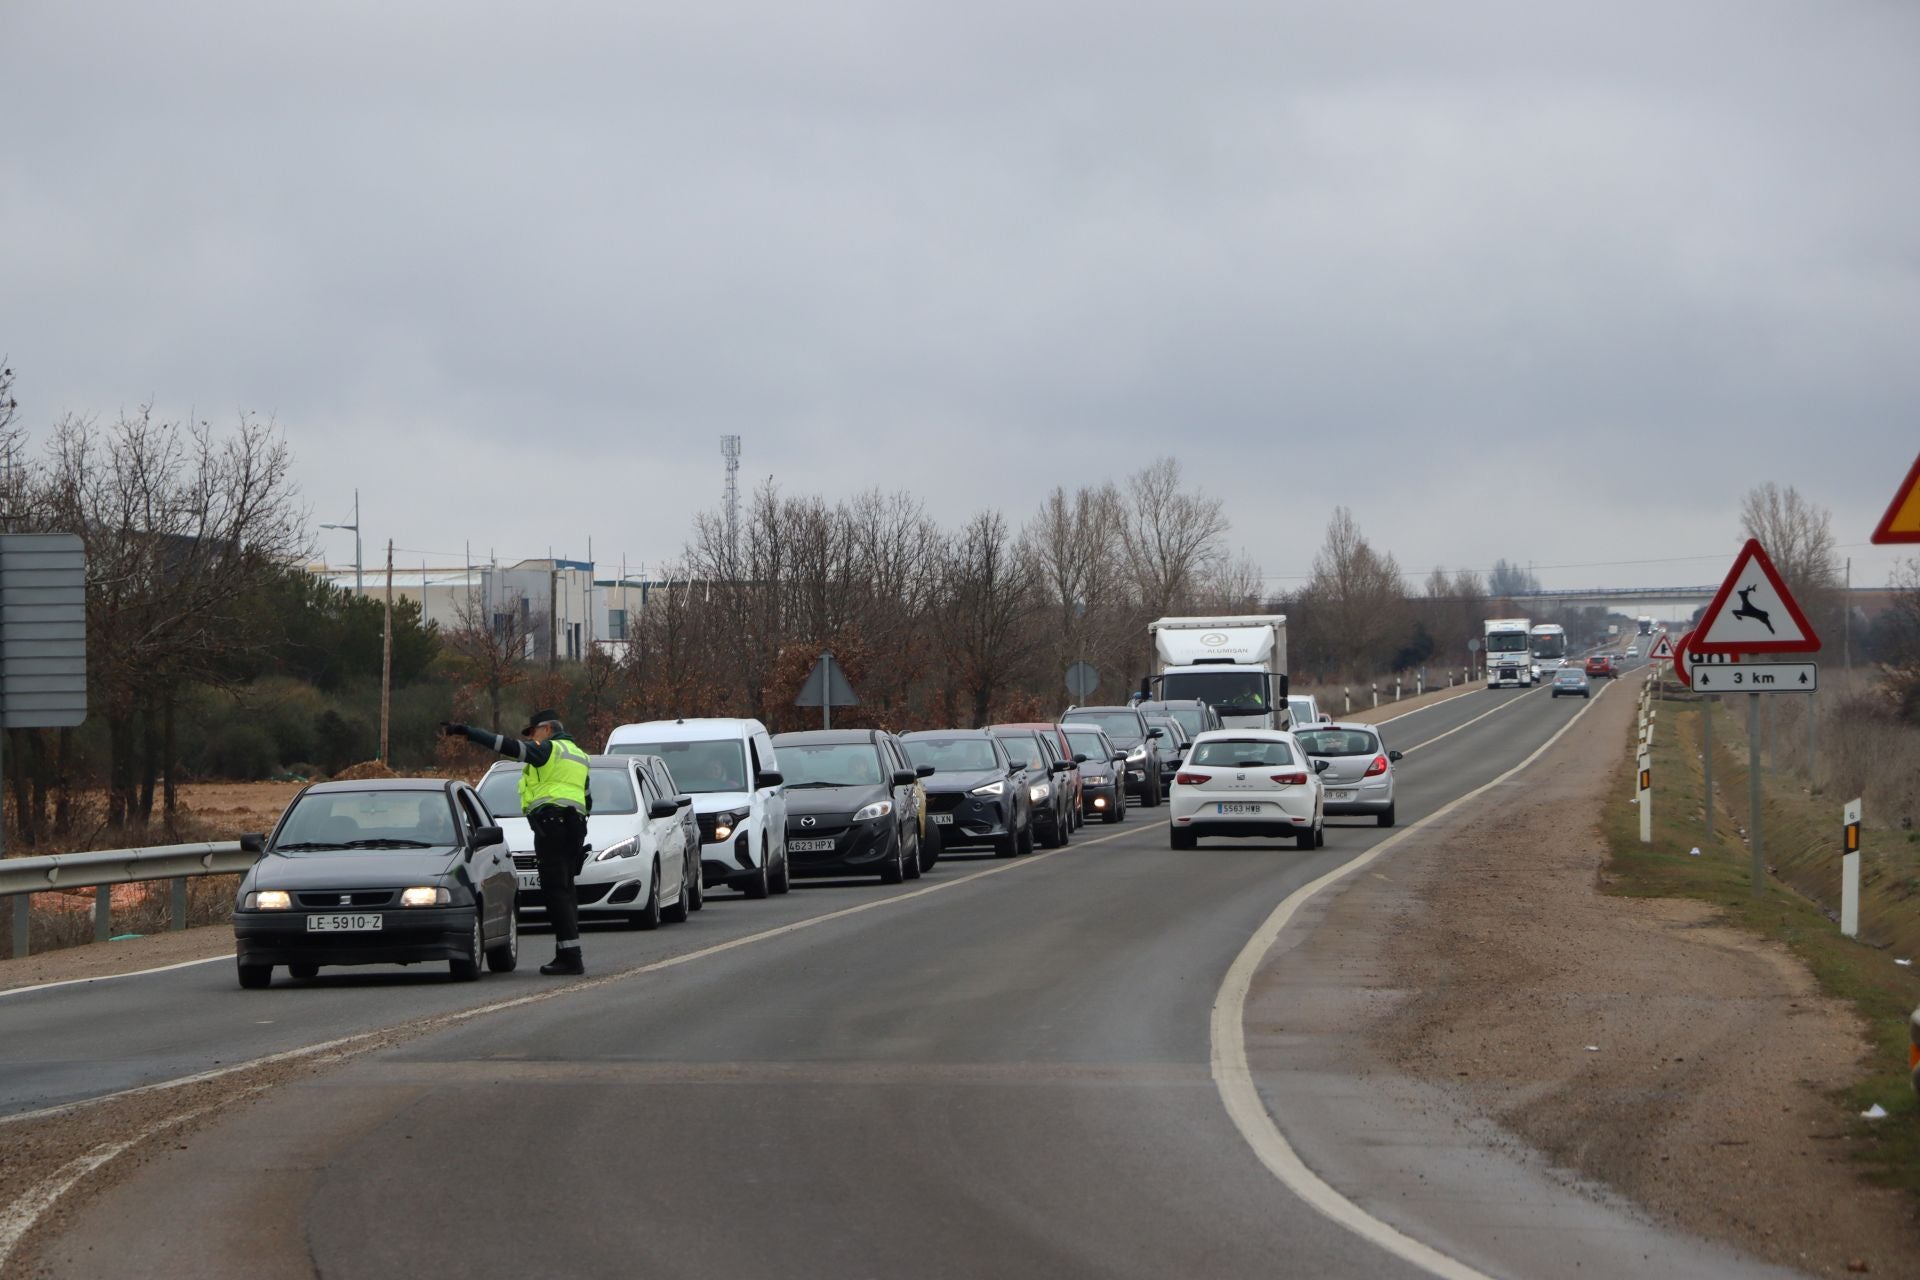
(1237, 665)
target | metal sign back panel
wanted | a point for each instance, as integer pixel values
(43, 630)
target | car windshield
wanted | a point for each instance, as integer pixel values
(1550, 644)
(1086, 742)
(1228, 692)
(1121, 726)
(1024, 748)
(1507, 642)
(609, 786)
(953, 755)
(1338, 742)
(1191, 719)
(1237, 753)
(830, 764)
(717, 764)
(387, 818)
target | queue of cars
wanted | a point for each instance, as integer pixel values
(428, 870)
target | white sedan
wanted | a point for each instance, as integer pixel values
(638, 868)
(1248, 782)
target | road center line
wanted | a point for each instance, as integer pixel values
(1509, 703)
(1233, 1075)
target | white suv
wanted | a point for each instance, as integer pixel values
(730, 770)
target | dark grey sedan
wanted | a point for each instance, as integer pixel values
(393, 871)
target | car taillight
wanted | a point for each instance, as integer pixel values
(1192, 779)
(1291, 779)
(1378, 767)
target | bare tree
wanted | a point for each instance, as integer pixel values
(1354, 611)
(1798, 536)
(1508, 581)
(1172, 536)
(490, 650)
(989, 602)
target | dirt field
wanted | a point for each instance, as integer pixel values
(1708, 1097)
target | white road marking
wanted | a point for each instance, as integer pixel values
(1234, 1077)
(108, 977)
(1510, 702)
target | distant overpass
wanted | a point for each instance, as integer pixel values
(1662, 604)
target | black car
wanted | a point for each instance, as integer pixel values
(976, 795)
(1131, 733)
(1194, 715)
(853, 804)
(1049, 788)
(1169, 747)
(388, 871)
(1103, 790)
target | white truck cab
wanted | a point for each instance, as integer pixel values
(1237, 665)
(739, 798)
(1509, 654)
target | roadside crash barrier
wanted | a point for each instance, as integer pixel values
(1913, 1049)
(101, 869)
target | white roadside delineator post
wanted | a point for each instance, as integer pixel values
(1646, 797)
(1850, 869)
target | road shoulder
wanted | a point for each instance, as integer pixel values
(1422, 1036)
(116, 959)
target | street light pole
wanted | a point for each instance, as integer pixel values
(359, 585)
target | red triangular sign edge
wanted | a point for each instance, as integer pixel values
(1883, 533)
(1753, 551)
(1662, 648)
(1680, 671)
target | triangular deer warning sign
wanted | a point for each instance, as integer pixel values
(1902, 521)
(1766, 618)
(1662, 648)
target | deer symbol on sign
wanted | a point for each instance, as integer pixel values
(1748, 610)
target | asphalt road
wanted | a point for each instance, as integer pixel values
(1004, 1073)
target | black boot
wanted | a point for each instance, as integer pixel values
(567, 963)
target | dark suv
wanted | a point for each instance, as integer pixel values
(976, 794)
(853, 804)
(1134, 737)
(1102, 774)
(1194, 715)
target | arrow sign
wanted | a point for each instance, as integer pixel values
(1662, 648)
(1902, 521)
(1753, 612)
(1757, 677)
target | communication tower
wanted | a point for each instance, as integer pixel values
(730, 450)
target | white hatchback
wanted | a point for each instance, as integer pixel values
(638, 868)
(1248, 782)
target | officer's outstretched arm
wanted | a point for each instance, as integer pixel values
(522, 749)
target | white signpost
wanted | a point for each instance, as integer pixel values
(1646, 796)
(1850, 869)
(1758, 677)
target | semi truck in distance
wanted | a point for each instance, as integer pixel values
(1237, 665)
(1509, 652)
(1549, 646)
(1646, 625)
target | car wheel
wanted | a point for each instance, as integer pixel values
(677, 911)
(303, 971)
(1117, 813)
(649, 918)
(1320, 834)
(1026, 836)
(467, 968)
(930, 849)
(1050, 836)
(1150, 799)
(1119, 804)
(1065, 827)
(1181, 839)
(1385, 817)
(1305, 839)
(255, 976)
(506, 957)
(696, 877)
(895, 871)
(761, 883)
(1006, 846)
(782, 874)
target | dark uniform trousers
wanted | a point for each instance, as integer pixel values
(559, 845)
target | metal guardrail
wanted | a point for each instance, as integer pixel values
(100, 870)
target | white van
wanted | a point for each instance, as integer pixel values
(730, 770)
(1304, 711)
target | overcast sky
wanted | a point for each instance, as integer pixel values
(1549, 282)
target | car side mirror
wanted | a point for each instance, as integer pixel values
(1120, 759)
(1393, 755)
(253, 842)
(682, 801)
(923, 771)
(768, 778)
(485, 837)
(1321, 766)
(1079, 759)
(1156, 733)
(662, 809)
(905, 777)
(1060, 766)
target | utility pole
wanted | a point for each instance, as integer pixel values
(553, 611)
(386, 659)
(1846, 618)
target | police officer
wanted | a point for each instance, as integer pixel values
(554, 796)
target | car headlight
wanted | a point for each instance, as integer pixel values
(990, 789)
(1138, 755)
(425, 896)
(623, 849)
(1096, 779)
(269, 900)
(724, 823)
(878, 809)
(1039, 791)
